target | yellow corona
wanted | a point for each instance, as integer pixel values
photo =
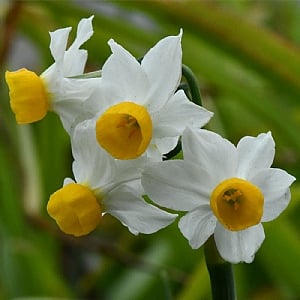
(124, 130)
(29, 99)
(75, 209)
(237, 203)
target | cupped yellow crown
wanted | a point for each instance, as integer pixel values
(124, 130)
(237, 204)
(75, 209)
(29, 99)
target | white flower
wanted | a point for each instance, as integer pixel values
(226, 190)
(102, 185)
(32, 96)
(138, 108)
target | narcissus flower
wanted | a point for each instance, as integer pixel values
(102, 185)
(226, 190)
(32, 96)
(139, 110)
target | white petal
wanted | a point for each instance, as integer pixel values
(137, 186)
(70, 62)
(255, 153)
(68, 112)
(70, 100)
(162, 64)
(107, 95)
(75, 89)
(124, 78)
(92, 165)
(176, 185)
(152, 153)
(96, 101)
(198, 225)
(274, 184)
(68, 180)
(127, 169)
(75, 58)
(178, 113)
(239, 246)
(84, 32)
(165, 145)
(74, 63)
(133, 212)
(58, 44)
(209, 150)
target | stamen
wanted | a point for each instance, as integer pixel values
(130, 123)
(233, 197)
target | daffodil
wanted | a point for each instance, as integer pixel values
(138, 108)
(102, 186)
(32, 96)
(227, 191)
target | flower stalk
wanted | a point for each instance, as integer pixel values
(191, 88)
(193, 84)
(220, 273)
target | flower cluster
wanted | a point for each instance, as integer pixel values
(121, 126)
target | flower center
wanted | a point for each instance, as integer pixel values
(124, 130)
(28, 96)
(75, 209)
(237, 203)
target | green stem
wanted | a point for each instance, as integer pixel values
(220, 272)
(193, 84)
(192, 88)
(166, 283)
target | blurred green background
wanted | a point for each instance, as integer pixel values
(247, 59)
